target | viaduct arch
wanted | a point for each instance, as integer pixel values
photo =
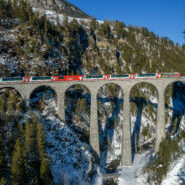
(61, 87)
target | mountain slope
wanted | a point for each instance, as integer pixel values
(60, 6)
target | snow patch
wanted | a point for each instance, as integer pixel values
(134, 175)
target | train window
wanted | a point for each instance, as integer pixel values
(41, 78)
(12, 79)
(120, 76)
(95, 76)
(146, 75)
(72, 77)
(61, 77)
(168, 74)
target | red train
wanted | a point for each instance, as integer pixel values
(86, 77)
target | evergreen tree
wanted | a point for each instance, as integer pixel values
(2, 108)
(31, 152)
(2, 181)
(93, 24)
(45, 174)
(9, 9)
(22, 12)
(2, 162)
(11, 103)
(40, 140)
(17, 166)
(105, 29)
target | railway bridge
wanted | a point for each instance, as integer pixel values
(60, 88)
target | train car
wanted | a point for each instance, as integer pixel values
(67, 78)
(41, 79)
(169, 75)
(117, 77)
(147, 75)
(95, 77)
(12, 80)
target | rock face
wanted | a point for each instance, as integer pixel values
(60, 6)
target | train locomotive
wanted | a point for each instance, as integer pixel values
(86, 77)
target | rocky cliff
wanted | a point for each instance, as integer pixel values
(60, 6)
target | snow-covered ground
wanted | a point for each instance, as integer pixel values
(71, 159)
(176, 174)
(52, 16)
(134, 175)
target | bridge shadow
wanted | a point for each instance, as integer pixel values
(141, 103)
(106, 134)
(178, 107)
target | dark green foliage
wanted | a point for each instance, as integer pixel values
(45, 173)
(119, 27)
(105, 30)
(5, 9)
(30, 151)
(145, 131)
(23, 159)
(2, 156)
(2, 181)
(111, 182)
(17, 166)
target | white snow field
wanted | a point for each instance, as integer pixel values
(134, 175)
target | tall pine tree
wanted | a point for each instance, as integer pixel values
(31, 152)
(45, 173)
(17, 166)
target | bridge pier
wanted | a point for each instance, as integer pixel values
(126, 154)
(61, 104)
(94, 134)
(160, 128)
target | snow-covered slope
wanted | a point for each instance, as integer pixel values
(72, 161)
(60, 6)
(53, 16)
(176, 174)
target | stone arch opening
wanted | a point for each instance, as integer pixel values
(110, 108)
(11, 89)
(143, 108)
(44, 100)
(77, 110)
(174, 107)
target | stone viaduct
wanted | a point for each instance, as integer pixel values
(60, 88)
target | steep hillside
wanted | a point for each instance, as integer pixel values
(40, 48)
